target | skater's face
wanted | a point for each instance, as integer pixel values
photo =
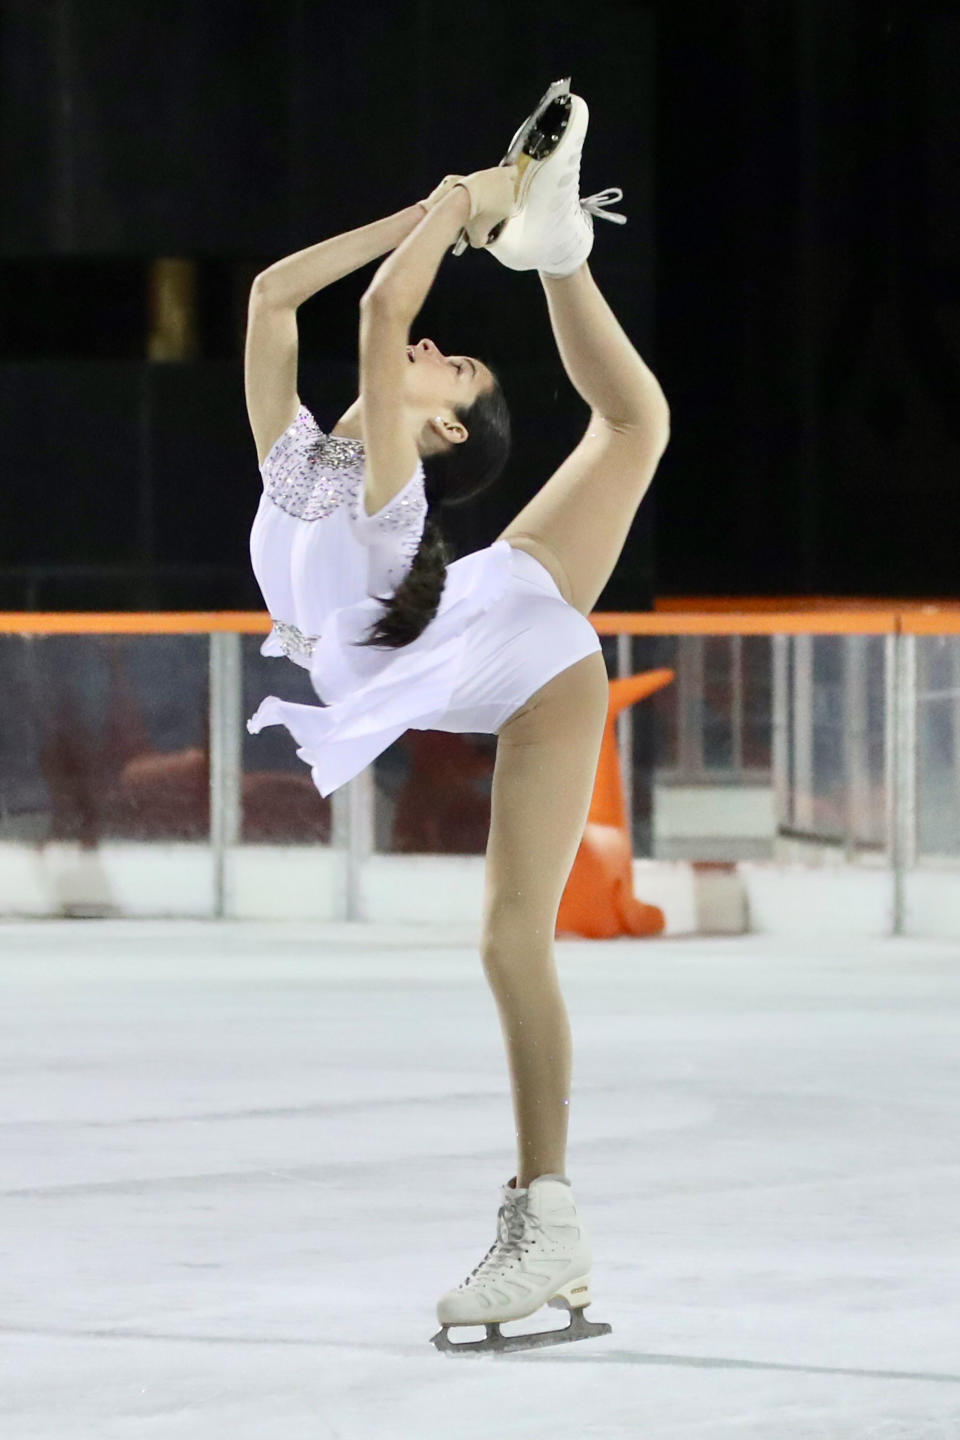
(437, 382)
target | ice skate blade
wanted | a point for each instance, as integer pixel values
(537, 138)
(541, 132)
(580, 1328)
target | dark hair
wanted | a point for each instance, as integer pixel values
(453, 475)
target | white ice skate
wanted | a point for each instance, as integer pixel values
(541, 1257)
(536, 139)
(551, 227)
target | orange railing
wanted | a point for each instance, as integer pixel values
(750, 616)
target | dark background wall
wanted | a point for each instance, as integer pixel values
(808, 198)
(790, 269)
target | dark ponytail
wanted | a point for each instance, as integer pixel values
(453, 476)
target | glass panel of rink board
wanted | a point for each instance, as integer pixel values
(938, 745)
(104, 737)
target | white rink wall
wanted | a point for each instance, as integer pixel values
(265, 882)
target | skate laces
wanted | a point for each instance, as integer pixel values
(596, 204)
(513, 1220)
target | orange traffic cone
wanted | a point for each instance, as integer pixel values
(598, 900)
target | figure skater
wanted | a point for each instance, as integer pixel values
(350, 559)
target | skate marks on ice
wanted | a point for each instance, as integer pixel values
(594, 1355)
(720, 1362)
(499, 1344)
(182, 1337)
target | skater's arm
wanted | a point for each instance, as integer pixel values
(270, 357)
(403, 281)
(387, 310)
(389, 307)
(291, 281)
(272, 341)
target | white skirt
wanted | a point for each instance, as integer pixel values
(502, 631)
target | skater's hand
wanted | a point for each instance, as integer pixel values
(492, 198)
(437, 194)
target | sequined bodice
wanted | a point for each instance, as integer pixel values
(338, 554)
(311, 477)
(309, 474)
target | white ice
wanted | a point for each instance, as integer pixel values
(240, 1163)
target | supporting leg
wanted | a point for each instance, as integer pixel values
(536, 1031)
(542, 784)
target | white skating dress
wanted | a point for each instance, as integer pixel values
(501, 631)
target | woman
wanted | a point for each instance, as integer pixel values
(349, 557)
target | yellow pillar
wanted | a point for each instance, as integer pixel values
(173, 310)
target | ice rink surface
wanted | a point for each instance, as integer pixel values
(241, 1163)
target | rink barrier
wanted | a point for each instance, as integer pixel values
(352, 805)
(748, 616)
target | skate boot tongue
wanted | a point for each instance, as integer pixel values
(511, 1192)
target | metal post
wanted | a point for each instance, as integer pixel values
(341, 827)
(225, 704)
(901, 768)
(357, 827)
(802, 706)
(625, 732)
(780, 748)
(954, 643)
(890, 762)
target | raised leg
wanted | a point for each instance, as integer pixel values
(542, 784)
(577, 522)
